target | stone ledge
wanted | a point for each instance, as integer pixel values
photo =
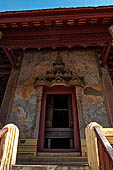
(49, 167)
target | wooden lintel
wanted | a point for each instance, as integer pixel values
(104, 59)
(10, 58)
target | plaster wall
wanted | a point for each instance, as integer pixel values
(36, 64)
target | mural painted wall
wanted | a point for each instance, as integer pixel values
(36, 64)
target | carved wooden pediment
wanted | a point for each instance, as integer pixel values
(59, 75)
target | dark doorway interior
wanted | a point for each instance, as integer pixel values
(60, 111)
(58, 122)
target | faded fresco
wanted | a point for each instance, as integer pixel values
(36, 64)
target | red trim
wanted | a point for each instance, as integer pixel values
(54, 37)
(59, 90)
(30, 29)
(104, 59)
(56, 14)
(75, 124)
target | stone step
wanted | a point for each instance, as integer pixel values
(60, 154)
(77, 161)
(49, 167)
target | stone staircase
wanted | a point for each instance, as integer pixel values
(52, 161)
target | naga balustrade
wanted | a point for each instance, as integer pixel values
(99, 142)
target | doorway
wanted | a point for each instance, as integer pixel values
(59, 129)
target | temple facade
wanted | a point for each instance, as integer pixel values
(56, 74)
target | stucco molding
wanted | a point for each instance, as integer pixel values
(59, 75)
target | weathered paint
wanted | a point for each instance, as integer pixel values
(81, 63)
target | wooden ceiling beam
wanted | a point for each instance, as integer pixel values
(54, 31)
(57, 36)
(49, 38)
(10, 58)
(52, 44)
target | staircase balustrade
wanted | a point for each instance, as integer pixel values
(105, 151)
(9, 146)
(99, 149)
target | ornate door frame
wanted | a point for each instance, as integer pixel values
(59, 76)
(59, 90)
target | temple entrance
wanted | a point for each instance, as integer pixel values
(59, 122)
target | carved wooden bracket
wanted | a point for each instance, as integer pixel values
(59, 76)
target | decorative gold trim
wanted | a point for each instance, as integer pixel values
(58, 76)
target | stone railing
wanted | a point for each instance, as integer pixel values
(99, 147)
(9, 147)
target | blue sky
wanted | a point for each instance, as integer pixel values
(13, 5)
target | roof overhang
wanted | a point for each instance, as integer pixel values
(71, 27)
(56, 28)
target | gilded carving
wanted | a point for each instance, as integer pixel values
(58, 75)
